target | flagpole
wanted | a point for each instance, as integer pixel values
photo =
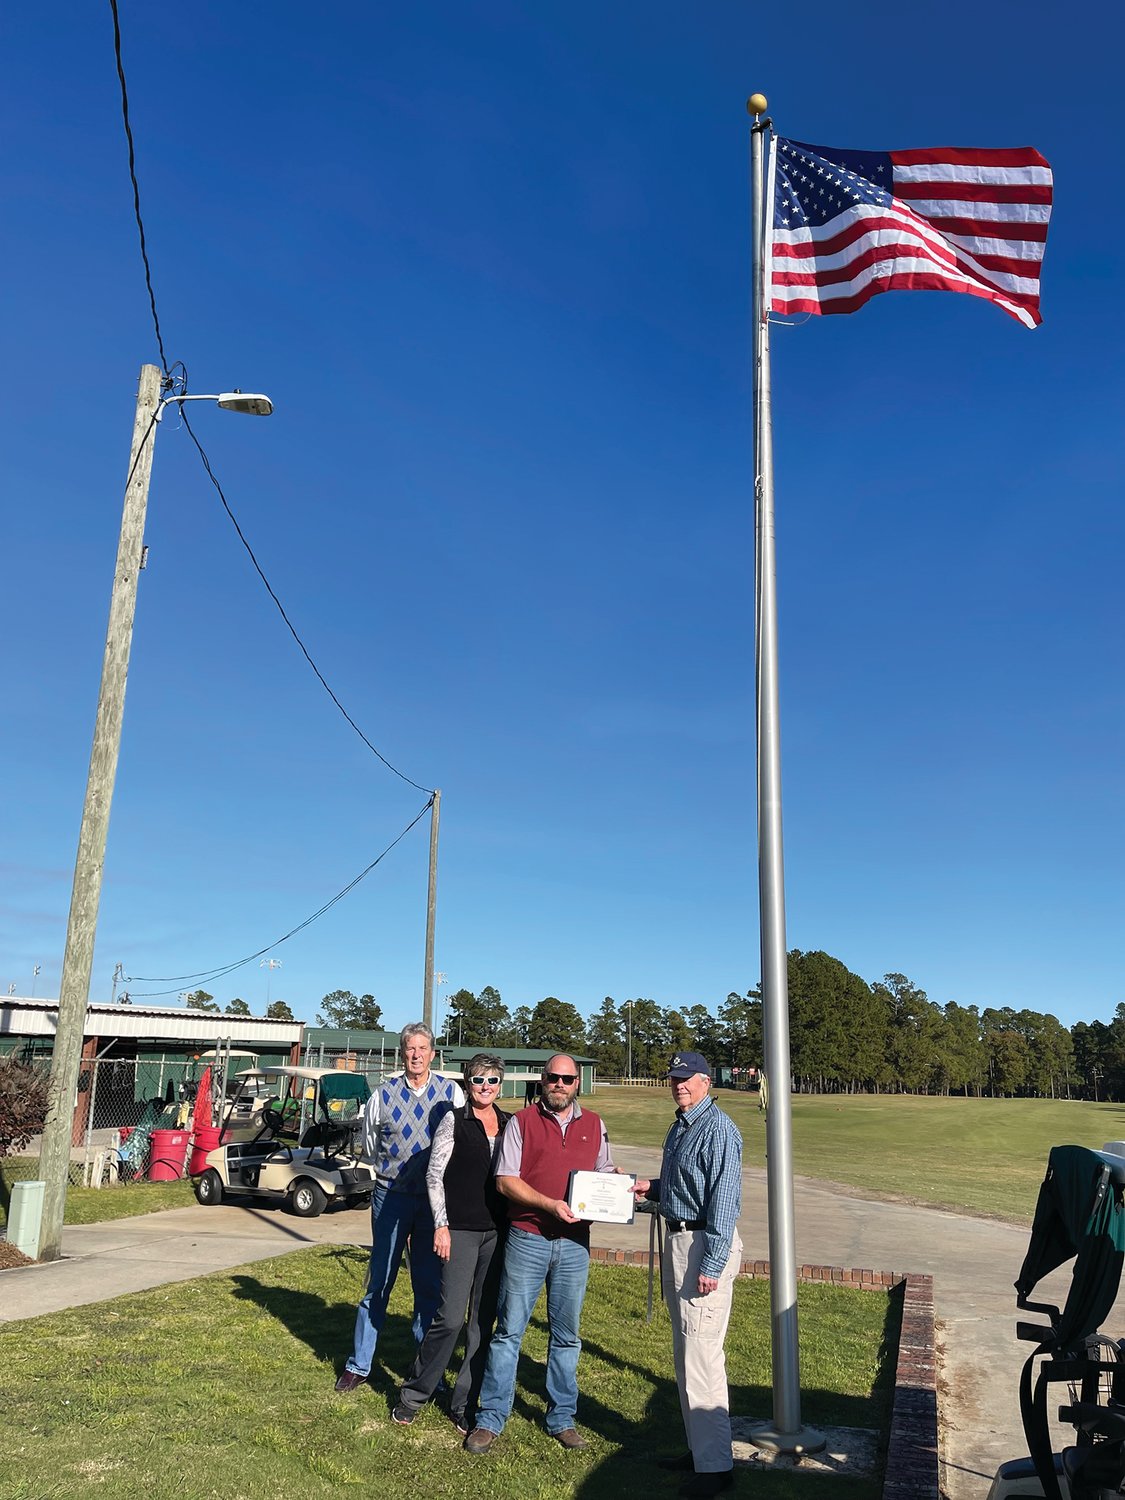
(785, 1434)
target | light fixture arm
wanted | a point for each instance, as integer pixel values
(254, 405)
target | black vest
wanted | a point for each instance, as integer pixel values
(471, 1197)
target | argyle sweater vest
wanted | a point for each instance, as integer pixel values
(546, 1163)
(406, 1124)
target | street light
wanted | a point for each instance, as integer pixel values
(250, 406)
(74, 988)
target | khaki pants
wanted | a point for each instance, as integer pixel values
(699, 1326)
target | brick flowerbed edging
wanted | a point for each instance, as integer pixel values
(912, 1448)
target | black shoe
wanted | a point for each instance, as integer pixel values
(704, 1486)
(403, 1415)
(682, 1463)
(349, 1381)
(460, 1421)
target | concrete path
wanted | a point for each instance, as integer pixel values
(973, 1261)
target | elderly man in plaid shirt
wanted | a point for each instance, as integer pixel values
(700, 1195)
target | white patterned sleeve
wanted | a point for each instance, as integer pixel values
(371, 1128)
(441, 1149)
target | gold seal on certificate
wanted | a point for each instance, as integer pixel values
(602, 1197)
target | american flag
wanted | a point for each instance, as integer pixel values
(850, 224)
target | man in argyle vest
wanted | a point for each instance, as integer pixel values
(398, 1124)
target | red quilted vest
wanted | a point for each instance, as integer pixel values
(546, 1164)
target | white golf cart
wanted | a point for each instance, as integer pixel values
(306, 1150)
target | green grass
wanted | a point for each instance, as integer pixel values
(222, 1387)
(986, 1156)
(93, 1205)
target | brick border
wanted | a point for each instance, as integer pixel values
(912, 1447)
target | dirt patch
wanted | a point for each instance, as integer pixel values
(10, 1257)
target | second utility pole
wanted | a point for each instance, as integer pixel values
(431, 914)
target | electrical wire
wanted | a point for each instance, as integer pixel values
(170, 383)
(281, 610)
(133, 179)
(207, 975)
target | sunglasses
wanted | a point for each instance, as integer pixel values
(561, 1077)
(492, 1078)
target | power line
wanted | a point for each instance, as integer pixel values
(169, 383)
(292, 630)
(208, 975)
(133, 179)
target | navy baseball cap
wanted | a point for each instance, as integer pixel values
(687, 1064)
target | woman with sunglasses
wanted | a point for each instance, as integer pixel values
(469, 1226)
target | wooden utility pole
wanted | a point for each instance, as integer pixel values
(431, 914)
(74, 990)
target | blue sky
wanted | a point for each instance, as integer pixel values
(491, 263)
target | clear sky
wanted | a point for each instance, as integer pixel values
(490, 260)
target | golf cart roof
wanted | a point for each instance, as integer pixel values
(287, 1070)
(229, 1052)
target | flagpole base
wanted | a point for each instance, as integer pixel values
(794, 1444)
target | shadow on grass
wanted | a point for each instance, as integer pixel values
(659, 1431)
(328, 1327)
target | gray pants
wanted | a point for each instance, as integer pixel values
(470, 1279)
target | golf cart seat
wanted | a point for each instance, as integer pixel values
(328, 1138)
(1080, 1214)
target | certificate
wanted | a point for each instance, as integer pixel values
(602, 1197)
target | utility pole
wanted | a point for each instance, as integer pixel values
(74, 989)
(431, 914)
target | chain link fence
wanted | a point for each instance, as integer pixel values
(121, 1104)
(375, 1066)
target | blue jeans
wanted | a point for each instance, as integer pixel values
(395, 1217)
(529, 1261)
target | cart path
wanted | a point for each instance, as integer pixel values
(973, 1261)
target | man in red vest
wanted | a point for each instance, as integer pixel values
(547, 1243)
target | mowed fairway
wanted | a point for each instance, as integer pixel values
(986, 1156)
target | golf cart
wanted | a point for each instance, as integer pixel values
(306, 1150)
(1081, 1215)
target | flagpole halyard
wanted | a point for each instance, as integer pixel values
(785, 1433)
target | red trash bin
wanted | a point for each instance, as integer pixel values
(204, 1139)
(167, 1153)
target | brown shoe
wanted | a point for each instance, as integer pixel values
(480, 1440)
(570, 1437)
(349, 1381)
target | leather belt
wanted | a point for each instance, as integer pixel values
(677, 1226)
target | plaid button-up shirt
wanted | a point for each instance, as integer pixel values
(701, 1178)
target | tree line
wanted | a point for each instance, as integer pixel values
(845, 1035)
(201, 1000)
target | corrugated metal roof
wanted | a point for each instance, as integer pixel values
(21, 1016)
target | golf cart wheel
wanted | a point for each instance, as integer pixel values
(209, 1188)
(358, 1200)
(307, 1199)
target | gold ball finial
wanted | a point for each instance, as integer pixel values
(757, 104)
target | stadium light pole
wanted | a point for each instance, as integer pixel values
(431, 915)
(81, 927)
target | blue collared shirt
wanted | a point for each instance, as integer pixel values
(701, 1178)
